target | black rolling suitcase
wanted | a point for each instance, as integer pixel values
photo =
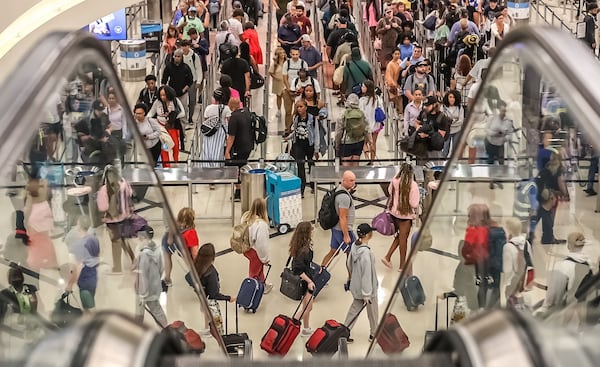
(430, 333)
(324, 341)
(238, 345)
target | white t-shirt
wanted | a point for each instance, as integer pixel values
(479, 66)
(235, 28)
(212, 110)
(291, 67)
(297, 83)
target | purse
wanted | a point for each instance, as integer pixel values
(210, 126)
(384, 223)
(292, 286)
(165, 139)
(131, 225)
(379, 114)
(64, 314)
(377, 44)
(256, 80)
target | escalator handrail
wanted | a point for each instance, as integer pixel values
(542, 43)
(30, 86)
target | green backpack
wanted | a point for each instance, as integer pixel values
(354, 121)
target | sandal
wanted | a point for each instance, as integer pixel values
(388, 264)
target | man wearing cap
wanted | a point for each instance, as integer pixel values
(388, 29)
(419, 80)
(566, 276)
(590, 25)
(148, 269)
(433, 121)
(311, 55)
(188, 22)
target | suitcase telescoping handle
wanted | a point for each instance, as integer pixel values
(446, 296)
(227, 318)
(300, 304)
(269, 266)
(357, 314)
(330, 263)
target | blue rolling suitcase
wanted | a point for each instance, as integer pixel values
(413, 293)
(320, 275)
(251, 292)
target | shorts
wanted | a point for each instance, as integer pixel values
(171, 249)
(87, 298)
(337, 237)
(238, 159)
(348, 150)
(55, 128)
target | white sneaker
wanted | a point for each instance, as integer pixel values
(268, 287)
(307, 331)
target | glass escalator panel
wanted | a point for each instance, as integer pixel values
(513, 221)
(85, 219)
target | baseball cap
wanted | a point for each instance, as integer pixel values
(306, 38)
(98, 105)
(193, 8)
(423, 63)
(430, 100)
(363, 229)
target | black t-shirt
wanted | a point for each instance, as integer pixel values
(334, 39)
(237, 68)
(301, 263)
(240, 126)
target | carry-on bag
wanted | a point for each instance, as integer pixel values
(412, 292)
(283, 332)
(64, 314)
(320, 275)
(392, 339)
(324, 341)
(236, 344)
(188, 340)
(251, 293)
(430, 333)
(291, 284)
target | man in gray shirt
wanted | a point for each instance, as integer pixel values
(341, 233)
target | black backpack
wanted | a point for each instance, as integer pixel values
(259, 127)
(328, 217)
(225, 49)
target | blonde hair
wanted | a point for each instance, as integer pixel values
(185, 218)
(513, 226)
(258, 210)
(276, 54)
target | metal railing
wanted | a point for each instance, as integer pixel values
(549, 16)
(135, 13)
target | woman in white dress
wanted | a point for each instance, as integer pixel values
(213, 147)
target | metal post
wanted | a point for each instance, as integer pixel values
(395, 137)
(263, 146)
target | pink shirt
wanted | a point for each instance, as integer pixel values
(414, 198)
(372, 19)
(236, 94)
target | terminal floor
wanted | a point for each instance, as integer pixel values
(435, 271)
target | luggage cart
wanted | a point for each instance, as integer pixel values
(284, 201)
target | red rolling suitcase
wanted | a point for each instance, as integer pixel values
(282, 333)
(324, 341)
(391, 338)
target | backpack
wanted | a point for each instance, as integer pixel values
(354, 123)
(240, 239)
(328, 216)
(214, 7)
(259, 127)
(297, 80)
(225, 49)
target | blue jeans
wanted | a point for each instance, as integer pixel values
(452, 140)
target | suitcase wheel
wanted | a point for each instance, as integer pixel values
(283, 228)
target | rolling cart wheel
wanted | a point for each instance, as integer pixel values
(283, 228)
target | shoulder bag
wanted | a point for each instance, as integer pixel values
(210, 126)
(292, 286)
